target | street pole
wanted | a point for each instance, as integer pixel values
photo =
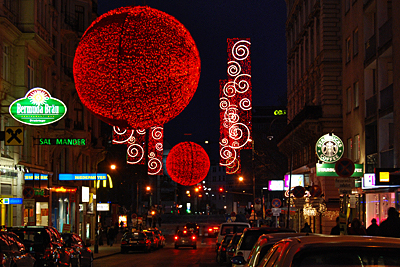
(96, 227)
(290, 181)
(254, 175)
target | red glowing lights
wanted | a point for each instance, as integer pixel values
(136, 67)
(187, 163)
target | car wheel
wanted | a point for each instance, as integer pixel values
(91, 261)
(194, 247)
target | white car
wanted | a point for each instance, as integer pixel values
(230, 228)
(338, 251)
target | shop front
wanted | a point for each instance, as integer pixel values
(36, 199)
(64, 205)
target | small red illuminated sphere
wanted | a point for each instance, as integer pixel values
(187, 163)
(136, 67)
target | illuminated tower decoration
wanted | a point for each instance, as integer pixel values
(136, 143)
(187, 163)
(136, 67)
(155, 148)
(235, 105)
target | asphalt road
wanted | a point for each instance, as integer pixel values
(203, 256)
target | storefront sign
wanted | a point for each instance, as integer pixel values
(11, 201)
(36, 176)
(329, 148)
(297, 180)
(275, 185)
(327, 169)
(85, 194)
(368, 182)
(37, 108)
(345, 183)
(38, 191)
(62, 141)
(387, 176)
(81, 176)
(103, 206)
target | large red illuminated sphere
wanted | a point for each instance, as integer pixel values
(187, 163)
(136, 67)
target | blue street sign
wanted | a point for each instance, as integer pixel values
(81, 176)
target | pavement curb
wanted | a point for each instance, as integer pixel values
(104, 256)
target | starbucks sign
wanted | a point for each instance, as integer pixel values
(329, 148)
(37, 108)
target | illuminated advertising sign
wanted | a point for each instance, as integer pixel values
(36, 176)
(275, 185)
(297, 180)
(85, 194)
(81, 176)
(103, 206)
(329, 148)
(62, 141)
(387, 176)
(328, 169)
(37, 108)
(11, 201)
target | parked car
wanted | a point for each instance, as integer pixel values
(45, 244)
(13, 251)
(212, 231)
(250, 237)
(194, 227)
(160, 236)
(185, 239)
(153, 238)
(135, 240)
(261, 247)
(81, 255)
(231, 248)
(325, 250)
(221, 254)
(230, 228)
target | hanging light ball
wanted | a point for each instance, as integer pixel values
(187, 163)
(136, 67)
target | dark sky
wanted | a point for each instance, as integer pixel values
(210, 23)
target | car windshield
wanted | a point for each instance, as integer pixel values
(349, 256)
(135, 235)
(231, 229)
(191, 225)
(184, 233)
(227, 239)
(250, 238)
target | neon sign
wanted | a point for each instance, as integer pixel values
(37, 108)
(62, 141)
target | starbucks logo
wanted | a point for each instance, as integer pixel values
(329, 148)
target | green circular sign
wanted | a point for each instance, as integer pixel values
(329, 148)
(37, 108)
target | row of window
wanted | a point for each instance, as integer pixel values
(349, 47)
(353, 148)
(352, 97)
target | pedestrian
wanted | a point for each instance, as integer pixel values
(373, 229)
(111, 235)
(154, 221)
(306, 228)
(336, 229)
(100, 236)
(159, 221)
(356, 228)
(121, 226)
(108, 235)
(391, 226)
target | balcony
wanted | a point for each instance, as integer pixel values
(371, 105)
(385, 33)
(386, 97)
(370, 48)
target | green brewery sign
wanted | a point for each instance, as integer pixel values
(62, 141)
(329, 148)
(37, 108)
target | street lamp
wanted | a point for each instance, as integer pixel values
(240, 179)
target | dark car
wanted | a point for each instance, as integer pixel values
(81, 255)
(159, 235)
(231, 247)
(13, 251)
(153, 238)
(185, 239)
(135, 240)
(193, 227)
(221, 254)
(45, 244)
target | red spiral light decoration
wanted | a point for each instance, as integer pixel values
(187, 163)
(136, 67)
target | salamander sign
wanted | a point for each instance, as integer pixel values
(62, 141)
(37, 108)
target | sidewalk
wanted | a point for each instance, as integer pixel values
(105, 250)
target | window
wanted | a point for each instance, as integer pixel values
(347, 5)
(355, 42)
(348, 98)
(80, 17)
(356, 148)
(356, 97)
(31, 73)
(6, 62)
(78, 123)
(349, 148)
(347, 49)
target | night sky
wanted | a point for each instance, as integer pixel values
(210, 23)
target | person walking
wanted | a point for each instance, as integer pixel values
(391, 226)
(356, 228)
(306, 228)
(336, 229)
(373, 229)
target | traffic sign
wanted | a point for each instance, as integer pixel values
(344, 167)
(276, 203)
(28, 192)
(14, 136)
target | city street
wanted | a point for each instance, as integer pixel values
(203, 256)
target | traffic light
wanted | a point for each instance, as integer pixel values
(221, 189)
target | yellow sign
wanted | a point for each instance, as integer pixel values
(1, 201)
(14, 135)
(384, 177)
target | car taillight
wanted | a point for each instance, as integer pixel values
(224, 249)
(210, 229)
(194, 237)
(176, 237)
(124, 242)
